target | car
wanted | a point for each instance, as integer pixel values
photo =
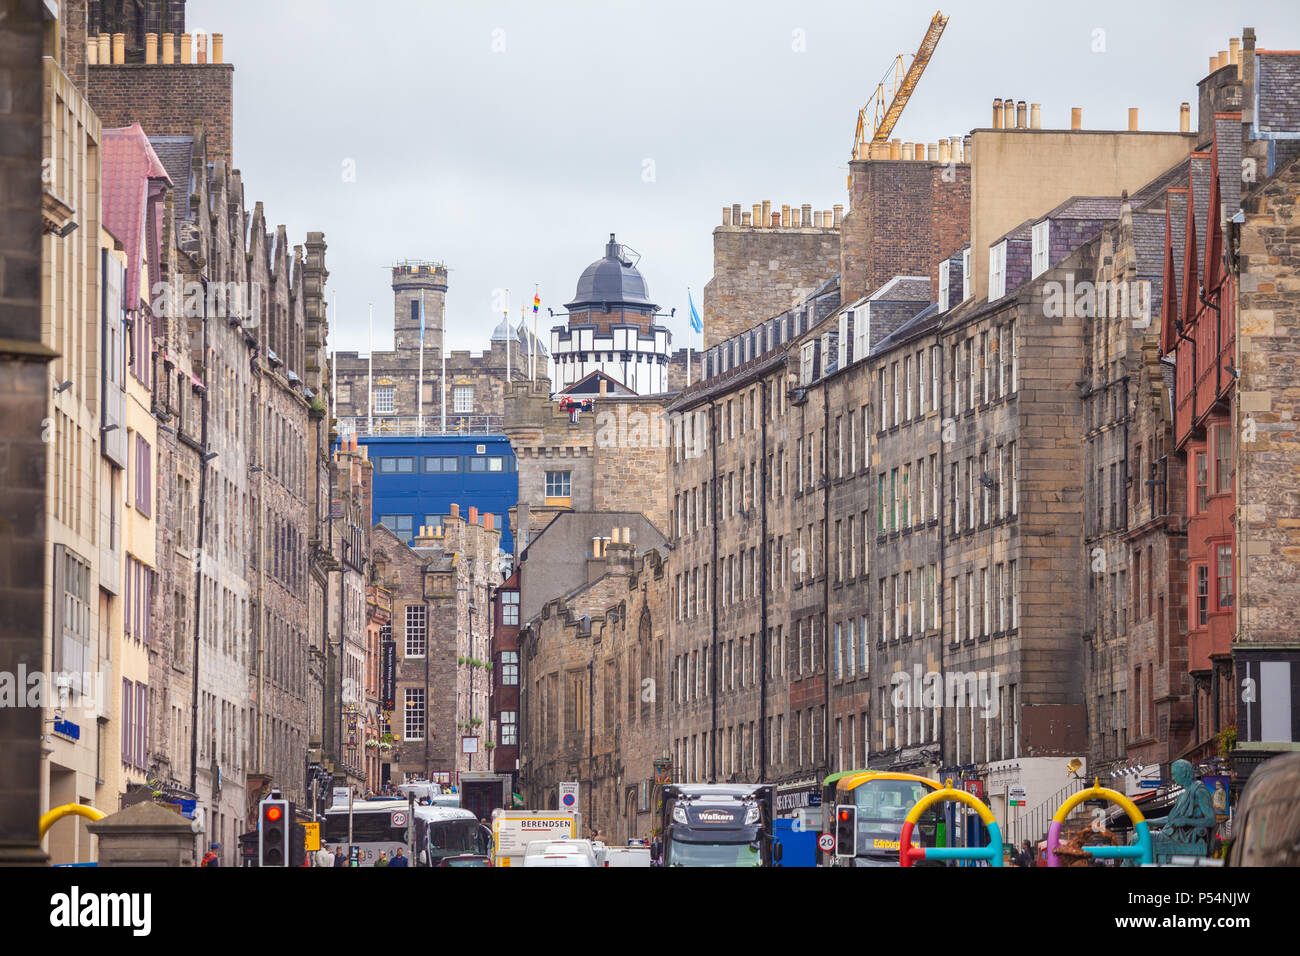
(466, 859)
(579, 853)
(627, 856)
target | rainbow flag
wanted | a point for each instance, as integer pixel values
(537, 301)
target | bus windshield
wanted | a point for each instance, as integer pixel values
(713, 854)
(453, 838)
(883, 805)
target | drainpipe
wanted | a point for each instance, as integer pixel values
(198, 565)
(766, 576)
(942, 478)
(826, 572)
(713, 606)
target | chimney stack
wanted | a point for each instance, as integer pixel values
(1076, 117)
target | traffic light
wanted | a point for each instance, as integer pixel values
(274, 827)
(846, 831)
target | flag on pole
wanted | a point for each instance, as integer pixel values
(696, 322)
(537, 301)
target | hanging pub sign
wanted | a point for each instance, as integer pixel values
(389, 678)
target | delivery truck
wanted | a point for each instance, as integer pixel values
(482, 792)
(513, 830)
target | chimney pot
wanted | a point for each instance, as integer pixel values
(735, 214)
(455, 510)
(1008, 113)
(1021, 122)
(1223, 59)
(168, 48)
(487, 520)
(895, 149)
(151, 48)
(92, 51)
(805, 216)
(776, 219)
(1076, 117)
(919, 153)
(627, 535)
(908, 151)
(1214, 62)
(217, 44)
(1132, 119)
(201, 41)
(839, 214)
(187, 52)
(1185, 118)
(785, 217)
(767, 211)
(817, 219)
(726, 215)
(757, 218)
(744, 220)
(932, 152)
(613, 536)
(944, 151)
(119, 48)
(997, 114)
(1035, 116)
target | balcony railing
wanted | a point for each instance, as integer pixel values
(388, 425)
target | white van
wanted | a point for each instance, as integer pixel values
(627, 856)
(578, 853)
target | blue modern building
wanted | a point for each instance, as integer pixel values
(418, 478)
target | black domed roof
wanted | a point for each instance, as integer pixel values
(611, 283)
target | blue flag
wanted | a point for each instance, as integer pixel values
(696, 323)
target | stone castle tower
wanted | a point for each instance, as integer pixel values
(413, 279)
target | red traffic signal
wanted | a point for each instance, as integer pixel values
(273, 833)
(272, 813)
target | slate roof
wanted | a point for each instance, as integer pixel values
(903, 289)
(177, 155)
(1201, 176)
(1085, 207)
(1227, 143)
(128, 164)
(924, 321)
(1178, 237)
(1024, 231)
(1277, 86)
(1152, 195)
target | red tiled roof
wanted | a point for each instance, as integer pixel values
(129, 162)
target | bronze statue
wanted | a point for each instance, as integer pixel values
(1192, 819)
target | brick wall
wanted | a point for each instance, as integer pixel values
(168, 100)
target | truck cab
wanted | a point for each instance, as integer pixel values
(711, 824)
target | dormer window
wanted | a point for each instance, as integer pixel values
(967, 287)
(1041, 257)
(943, 284)
(997, 271)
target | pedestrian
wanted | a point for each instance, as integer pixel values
(210, 858)
(1026, 854)
(339, 858)
(324, 857)
(383, 860)
(398, 859)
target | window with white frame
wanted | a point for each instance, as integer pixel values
(510, 608)
(416, 621)
(943, 284)
(509, 728)
(463, 399)
(1040, 253)
(509, 668)
(997, 271)
(967, 286)
(414, 714)
(806, 355)
(384, 404)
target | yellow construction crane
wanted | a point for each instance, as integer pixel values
(875, 127)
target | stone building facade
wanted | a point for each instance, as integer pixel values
(593, 675)
(441, 623)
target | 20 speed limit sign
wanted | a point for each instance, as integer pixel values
(826, 842)
(399, 818)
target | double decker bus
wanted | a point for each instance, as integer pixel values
(882, 800)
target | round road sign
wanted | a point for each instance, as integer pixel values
(569, 799)
(399, 818)
(826, 842)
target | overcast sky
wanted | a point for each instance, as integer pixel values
(508, 139)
